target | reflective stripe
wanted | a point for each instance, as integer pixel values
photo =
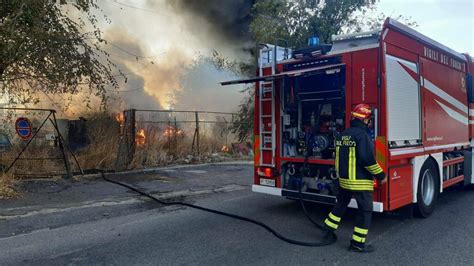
(357, 181)
(374, 169)
(358, 239)
(330, 224)
(334, 217)
(360, 185)
(352, 163)
(377, 172)
(353, 188)
(358, 115)
(337, 159)
(360, 230)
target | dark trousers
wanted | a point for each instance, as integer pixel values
(363, 216)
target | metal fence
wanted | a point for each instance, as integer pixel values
(133, 139)
(31, 143)
(157, 137)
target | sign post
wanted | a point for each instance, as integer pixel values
(24, 128)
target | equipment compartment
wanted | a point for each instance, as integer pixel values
(313, 114)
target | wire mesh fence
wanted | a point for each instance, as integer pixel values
(133, 139)
(161, 137)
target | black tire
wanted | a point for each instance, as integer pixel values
(428, 190)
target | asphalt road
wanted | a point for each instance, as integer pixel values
(92, 222)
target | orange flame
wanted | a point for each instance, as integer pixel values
(225, 149)
(119, 118)
(140, 138)
(170, 131)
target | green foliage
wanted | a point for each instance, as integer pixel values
(43, 51)
(296, 20)
(375, 22)
(222, 62)
(243, 122)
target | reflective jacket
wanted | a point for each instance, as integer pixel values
(355, 160)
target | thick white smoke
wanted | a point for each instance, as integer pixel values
(168, 41)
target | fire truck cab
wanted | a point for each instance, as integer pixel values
(421, 94)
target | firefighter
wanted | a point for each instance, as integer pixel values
(356, 167)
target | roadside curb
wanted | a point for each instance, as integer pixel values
(12, 213)
(161, 168)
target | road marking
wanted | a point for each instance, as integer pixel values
(153, 169)
(239, 197)
(89, 204)
(57, 210)
(196, 171)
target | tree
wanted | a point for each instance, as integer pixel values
(243, 122)
(44, 51)
(296, 20)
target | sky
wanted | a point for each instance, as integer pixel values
(450, 22)
(169, 35)
(176, 36)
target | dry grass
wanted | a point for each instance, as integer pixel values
(32, 162)
(104, 135)
(104, 138)
(159, 152)
(8, 187)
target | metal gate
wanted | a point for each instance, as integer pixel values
(31, 143)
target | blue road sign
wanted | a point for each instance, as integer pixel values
(24, 128)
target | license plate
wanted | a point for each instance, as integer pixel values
(267, 182)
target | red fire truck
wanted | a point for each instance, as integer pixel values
(421, 94)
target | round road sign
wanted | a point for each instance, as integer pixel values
(23, 128)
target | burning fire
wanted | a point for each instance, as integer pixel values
(225, 149)
(119, 118)
(140, 137)
(171, 132)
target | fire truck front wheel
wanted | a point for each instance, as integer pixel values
(428, 189)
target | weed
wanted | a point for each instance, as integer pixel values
(8, 187)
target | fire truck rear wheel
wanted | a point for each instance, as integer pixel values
(428, 189)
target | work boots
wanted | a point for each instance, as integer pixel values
(359, 247)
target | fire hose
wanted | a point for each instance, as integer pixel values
(325, 242)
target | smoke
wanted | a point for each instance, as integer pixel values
(223, 24)
(151, 80)
(170, 80)
(202, 91)
(181, 33)
(162, 46)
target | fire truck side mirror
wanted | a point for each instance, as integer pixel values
(469, 87)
